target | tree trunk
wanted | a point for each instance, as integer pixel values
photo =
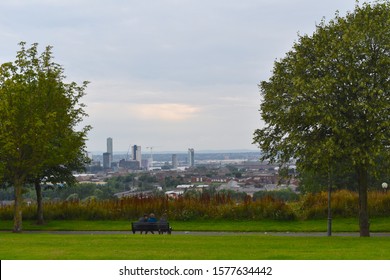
(18, 185)
(329, 201)
(364, 223)
(38, 190)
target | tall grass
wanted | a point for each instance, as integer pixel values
(209, 207)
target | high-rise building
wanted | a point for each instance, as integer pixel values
(137, 153)
(174, 161)
(191, 157)
(107, 160)
(107, 157)
(110, 146)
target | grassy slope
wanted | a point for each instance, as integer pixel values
(47, 246)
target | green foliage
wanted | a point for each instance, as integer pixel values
(283, 195)
(171, 182)
(328, 99)
(38, 116)
(343, 204)
(39, 112)
(341, 177)
(83, 191)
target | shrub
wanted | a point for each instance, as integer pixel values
(206, 206)
(284, 195)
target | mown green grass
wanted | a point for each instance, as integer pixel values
(338, 225)
(49, 246)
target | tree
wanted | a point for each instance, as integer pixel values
(328, 100)
(59, 174)
(38, 116)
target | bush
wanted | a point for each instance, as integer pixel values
(206, 206)
(284, 195)
(344, 203)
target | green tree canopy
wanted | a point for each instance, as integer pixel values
(328, 99)
(39, 113)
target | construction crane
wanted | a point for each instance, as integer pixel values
(128, 152)
(151, 154)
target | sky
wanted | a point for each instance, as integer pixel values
(167, 74)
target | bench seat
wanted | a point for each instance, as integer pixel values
(146, 227)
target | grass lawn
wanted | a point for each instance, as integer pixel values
(49, 246)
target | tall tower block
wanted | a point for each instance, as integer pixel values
(137, 153)
(110, 148)
(191, 157)
(174, 161)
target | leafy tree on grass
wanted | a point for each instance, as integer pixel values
(328, 99)
(58, 175)
(38, 116)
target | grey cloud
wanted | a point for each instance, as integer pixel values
(166, 55)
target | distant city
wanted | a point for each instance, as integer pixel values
(138, 159)
(178, 172)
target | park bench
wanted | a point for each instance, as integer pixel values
(146, 227)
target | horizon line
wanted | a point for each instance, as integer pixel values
(184, 152)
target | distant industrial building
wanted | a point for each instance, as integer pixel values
(129, 164)
(146, 163)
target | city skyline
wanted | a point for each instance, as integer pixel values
(166, 74)
(162, 151)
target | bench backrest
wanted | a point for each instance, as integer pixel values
(150, 226)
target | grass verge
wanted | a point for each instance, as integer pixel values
(338, 225)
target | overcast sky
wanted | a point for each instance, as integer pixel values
(173, 74)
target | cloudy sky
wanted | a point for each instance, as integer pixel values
(173, 74)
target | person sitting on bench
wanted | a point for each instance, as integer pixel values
(144, 218)
(151, 219)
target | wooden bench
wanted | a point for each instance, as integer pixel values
(146, 227)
